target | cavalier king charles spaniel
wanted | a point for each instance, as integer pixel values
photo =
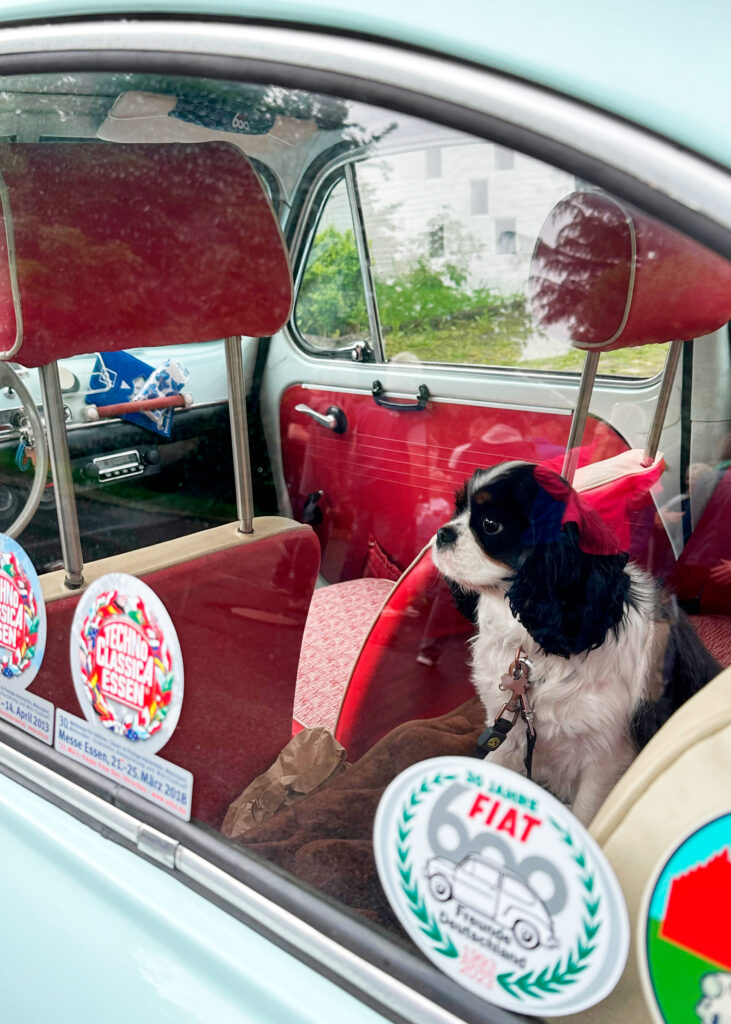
(608, 652)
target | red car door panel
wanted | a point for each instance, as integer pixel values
(388, 480)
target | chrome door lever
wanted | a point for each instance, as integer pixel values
(334, 419)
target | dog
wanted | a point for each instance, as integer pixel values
(609, 654)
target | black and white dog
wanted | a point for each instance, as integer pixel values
(610, 654)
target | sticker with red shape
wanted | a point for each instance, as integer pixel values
(22, 616)
(19, 618)
(684, 945)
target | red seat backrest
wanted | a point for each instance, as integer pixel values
(239, 614)
(708, 547)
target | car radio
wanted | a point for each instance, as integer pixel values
(115, 466)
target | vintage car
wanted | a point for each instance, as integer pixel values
(272, 286)
(495, 892)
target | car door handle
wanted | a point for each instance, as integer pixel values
(334, 419)
(399, 405)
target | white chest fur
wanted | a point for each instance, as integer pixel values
(583, 704)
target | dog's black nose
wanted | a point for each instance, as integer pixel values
(445, 536)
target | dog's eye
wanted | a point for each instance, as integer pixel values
(490, 526)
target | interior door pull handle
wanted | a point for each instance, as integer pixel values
(334, 419)
(399, 405)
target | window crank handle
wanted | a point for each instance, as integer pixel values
(334, 419)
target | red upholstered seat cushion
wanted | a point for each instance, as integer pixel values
(414, 664)
(338, 622)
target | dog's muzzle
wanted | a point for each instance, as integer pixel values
(446, 536)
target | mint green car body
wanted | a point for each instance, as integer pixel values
(660, 65)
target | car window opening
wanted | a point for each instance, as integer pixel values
(145, 276)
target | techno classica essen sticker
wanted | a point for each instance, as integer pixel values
(126, 661)
(22, 615)
(684, 942)
(22, 642)
(501, 886)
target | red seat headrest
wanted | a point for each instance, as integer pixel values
(605, 276)
(110, 246)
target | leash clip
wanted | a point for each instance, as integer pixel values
(516, 680)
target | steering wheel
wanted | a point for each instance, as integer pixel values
(10, 379)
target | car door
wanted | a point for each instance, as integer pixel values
(412, 356)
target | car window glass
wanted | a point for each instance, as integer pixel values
(451, 246)
(323, 653)
(331, 311)
(486, 873)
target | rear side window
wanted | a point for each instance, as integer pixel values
(449, 255)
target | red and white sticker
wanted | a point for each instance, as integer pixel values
(22, 642)
(126, 661)
(22, 616)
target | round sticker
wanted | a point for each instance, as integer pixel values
(500, 886)
(22, 616)
(684, 943)
(126, 662)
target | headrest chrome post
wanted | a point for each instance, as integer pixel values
(578, 422)
(239, 434)
(663, 400)
(63, 484)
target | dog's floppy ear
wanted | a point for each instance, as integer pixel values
(568, 600)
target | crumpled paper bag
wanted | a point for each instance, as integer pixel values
(311, 756)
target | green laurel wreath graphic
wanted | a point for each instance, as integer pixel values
(409, 884)
(553, 979)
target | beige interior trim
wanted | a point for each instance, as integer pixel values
(142, 561)
(705, 714)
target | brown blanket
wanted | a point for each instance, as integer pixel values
(325, 838)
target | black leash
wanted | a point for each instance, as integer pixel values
(515, 680)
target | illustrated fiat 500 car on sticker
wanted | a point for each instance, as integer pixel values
(495, 892)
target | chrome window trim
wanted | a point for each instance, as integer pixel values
(644, 166)
(364, 258)
(367, 978)
(318, 194)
